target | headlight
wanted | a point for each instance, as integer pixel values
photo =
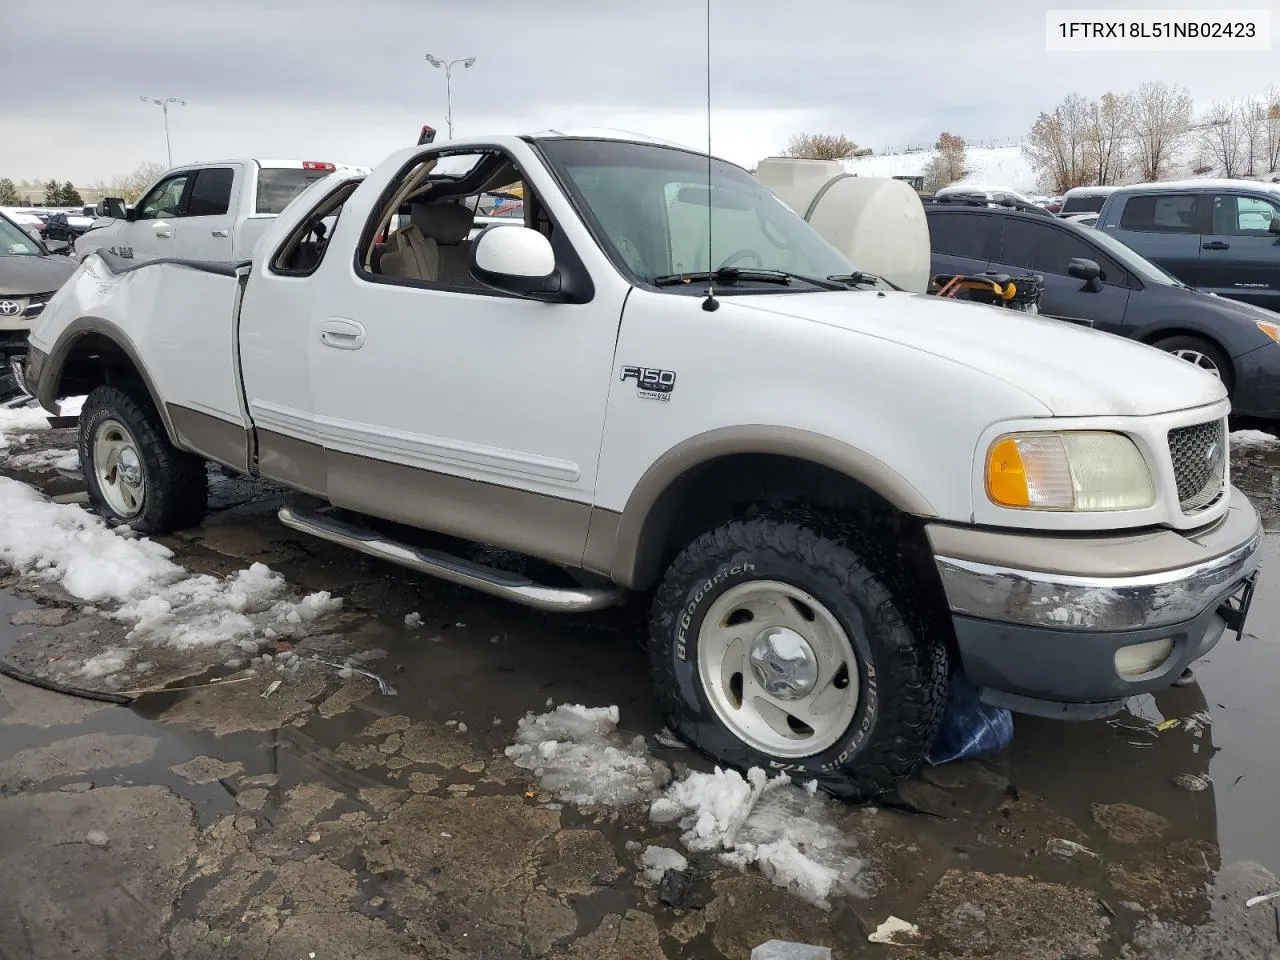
(1073, 470)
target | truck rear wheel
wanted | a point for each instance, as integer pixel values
(134, 474)
(773, 644)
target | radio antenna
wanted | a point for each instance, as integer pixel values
(711, 303)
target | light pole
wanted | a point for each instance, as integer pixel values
(448, 82)
(164, 105)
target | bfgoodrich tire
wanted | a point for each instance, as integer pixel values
(135, 476)
(774, 644)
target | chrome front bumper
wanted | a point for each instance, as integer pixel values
(1133, 585)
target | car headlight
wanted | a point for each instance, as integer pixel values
(1077, 470)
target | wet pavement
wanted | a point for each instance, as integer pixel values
(328, 819)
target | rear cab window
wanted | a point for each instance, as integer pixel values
(1089, 203)
(1160, 213)
(277, 186)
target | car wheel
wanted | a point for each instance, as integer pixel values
(1205, 354)
(134, 475)
(773, 644)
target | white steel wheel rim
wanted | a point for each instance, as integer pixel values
(778, 669)
(1196, 358)
(118, 469)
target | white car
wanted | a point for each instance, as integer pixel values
(835, 492)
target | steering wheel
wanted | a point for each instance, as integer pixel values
(739, 255)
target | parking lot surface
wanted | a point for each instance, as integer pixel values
(325, 817)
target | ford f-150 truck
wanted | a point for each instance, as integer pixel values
(207, 211)
(664, 382)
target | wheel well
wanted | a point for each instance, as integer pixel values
(1166, 332)
(95, 360)
(726, 488)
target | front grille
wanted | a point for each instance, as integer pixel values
(40, 298)
(1199, 454)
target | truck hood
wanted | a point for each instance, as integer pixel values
(1074, 371)
(24, 276)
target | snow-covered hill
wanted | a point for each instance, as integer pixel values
(1003, 165)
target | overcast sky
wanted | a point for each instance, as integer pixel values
(348, 82)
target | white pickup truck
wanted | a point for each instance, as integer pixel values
(834, 491)
(206, 211)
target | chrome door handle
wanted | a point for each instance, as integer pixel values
(342, 334)
(220, 233)
(163, 233)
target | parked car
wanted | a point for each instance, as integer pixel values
(830, 488)
(1082, 219)
(66, 227)
(30, 273)
(992, 191)
(202, 211)
(1218, 236)
(1092, 279)
(1084, 200)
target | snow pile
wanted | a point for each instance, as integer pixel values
(576, 753)
(656, 861)
(1252, 438)
(164, 603)
(14, 423)
(41, 460)
(572, 753)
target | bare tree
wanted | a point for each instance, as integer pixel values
(1251, 114)
(1273, 129)
(1223, 136)
(130, 185)
(1159, 117)
(821, 146)
(1106, 139)
(1056, 146)
(947, 164)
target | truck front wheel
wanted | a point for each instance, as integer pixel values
(773, 644)
(135, 476)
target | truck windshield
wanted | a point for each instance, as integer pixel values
(278, 185)
(650, 206)
(15, 243)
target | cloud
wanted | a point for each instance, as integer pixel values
(349, 81)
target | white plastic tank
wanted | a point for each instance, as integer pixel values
(878, 224)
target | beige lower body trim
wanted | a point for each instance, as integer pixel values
(294, 463)
(530, 523)
(211, 437)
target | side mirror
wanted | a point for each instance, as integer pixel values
(516, 260)
(112, 207)
(1274, 225)
(57, 246)
(1088, 271)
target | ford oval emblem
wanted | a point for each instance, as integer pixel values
(1213, 456)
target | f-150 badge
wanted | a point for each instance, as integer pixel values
(651, 382)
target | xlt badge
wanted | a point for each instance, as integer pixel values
(652, 383)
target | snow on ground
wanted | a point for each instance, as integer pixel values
(162, 602)
(576, 753)
(1006, 166)
(1252, 438)
(44, 460)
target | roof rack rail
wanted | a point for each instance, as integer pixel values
(979, 199)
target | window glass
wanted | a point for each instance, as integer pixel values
(278, 185)
(15, 243)
(1242, 216)
(211, 193)
(1086, 203)
(1046, 248)
(654, 209)
(165, 200)
(1160, 213)
(960, 234)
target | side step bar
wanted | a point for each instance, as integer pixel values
(498, 583)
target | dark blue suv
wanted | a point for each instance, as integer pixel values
(1095, 280)
(1218, 236)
